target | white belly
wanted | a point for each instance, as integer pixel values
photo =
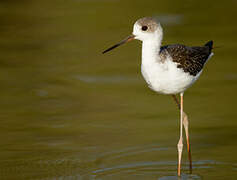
(166, 78)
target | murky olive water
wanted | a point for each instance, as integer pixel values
(69, 112)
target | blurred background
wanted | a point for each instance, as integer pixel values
(69, 112)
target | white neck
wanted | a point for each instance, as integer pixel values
(151, 48)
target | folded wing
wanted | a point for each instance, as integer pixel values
(190, 59)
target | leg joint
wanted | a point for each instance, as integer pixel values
(185, 119)
(180, 145)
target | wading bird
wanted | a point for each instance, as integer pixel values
(169, 69)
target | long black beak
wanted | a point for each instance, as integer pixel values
(129, 38)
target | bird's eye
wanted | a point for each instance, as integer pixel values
(144, 28)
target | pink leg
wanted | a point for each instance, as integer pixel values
(185, 124)
(180, 143)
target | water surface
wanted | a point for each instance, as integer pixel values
(69, 112)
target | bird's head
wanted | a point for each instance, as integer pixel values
(146, 28)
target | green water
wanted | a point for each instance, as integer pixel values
(69, 112)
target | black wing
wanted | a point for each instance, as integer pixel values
(190, 59)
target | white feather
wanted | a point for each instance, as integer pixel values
(161, 76)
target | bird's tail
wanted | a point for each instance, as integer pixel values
(210, 45)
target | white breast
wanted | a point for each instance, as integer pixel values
(165, 77)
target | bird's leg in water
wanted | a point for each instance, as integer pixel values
(185, 124)
(180, 143)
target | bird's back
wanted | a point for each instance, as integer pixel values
(190, 59)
